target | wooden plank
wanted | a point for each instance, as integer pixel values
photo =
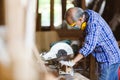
(2, 13)
(63, 8)
(92, 68)
(17, 38)
(76, 76)
(5, 67)
(51, 14)
(83, 5)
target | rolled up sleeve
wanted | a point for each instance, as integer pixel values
(90, 40)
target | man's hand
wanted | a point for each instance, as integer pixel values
(67, 63)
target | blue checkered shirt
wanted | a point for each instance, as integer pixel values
(100, 41)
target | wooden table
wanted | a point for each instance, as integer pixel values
(77, 76)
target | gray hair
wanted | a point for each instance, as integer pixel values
(79, 13)
(76, 15)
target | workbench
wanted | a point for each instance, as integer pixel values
(77, 76)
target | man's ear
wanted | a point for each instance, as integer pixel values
(80, 19)
(83, 17)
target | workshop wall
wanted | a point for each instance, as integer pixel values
(44, 38)
(2, 21)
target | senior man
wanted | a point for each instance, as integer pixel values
(99, 41)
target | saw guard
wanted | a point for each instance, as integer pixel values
(55, 48)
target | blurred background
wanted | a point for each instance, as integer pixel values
(28, 27)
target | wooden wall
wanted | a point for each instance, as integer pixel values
(2, 21)
(44, 38)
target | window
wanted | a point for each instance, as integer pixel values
(44, 10)
(57, 14)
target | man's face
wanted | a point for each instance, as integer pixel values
(74, 24)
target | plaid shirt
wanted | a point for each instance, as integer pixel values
(100, 41)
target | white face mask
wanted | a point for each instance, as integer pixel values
(76, 27)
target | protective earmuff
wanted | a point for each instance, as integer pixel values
(83, 25)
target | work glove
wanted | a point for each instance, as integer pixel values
(67, 63)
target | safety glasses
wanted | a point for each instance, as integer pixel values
(73, 24)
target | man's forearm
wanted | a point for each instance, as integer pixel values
(78, 58)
